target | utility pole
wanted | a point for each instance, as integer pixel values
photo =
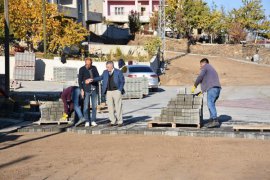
(161, 26)
(6, 47)
(44, 27)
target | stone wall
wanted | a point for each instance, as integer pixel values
(237, 51)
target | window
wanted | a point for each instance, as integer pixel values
(199, 31)
(140, 69)
(119, 10)
(142, 11)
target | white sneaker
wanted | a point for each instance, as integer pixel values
(87, 124)
(93, 123)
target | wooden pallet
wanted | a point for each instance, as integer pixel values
(51, 122)
(252, 127)
(173, 124)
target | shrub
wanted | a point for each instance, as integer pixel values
(152, 45)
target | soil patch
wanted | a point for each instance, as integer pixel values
(73, 156)
(183, 71)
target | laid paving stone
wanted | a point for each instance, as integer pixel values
(141, 129)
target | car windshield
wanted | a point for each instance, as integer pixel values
(140, 69)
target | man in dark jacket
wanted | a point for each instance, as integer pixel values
(209, 81)
(113, 86)
(88, 90)
(71, 99)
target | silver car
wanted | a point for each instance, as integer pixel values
(134, 71)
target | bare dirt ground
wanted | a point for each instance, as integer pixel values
(183, 71)
(73, 156)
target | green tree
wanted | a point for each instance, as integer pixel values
(196, 13)
(134, 22)
(152, 45)
(215, 23)
(185, 15)
(251, 16)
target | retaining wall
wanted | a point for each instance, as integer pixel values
(44, 67)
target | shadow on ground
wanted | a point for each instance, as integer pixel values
(221, 119)
(15, 161)
(8, 137)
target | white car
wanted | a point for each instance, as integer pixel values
(134, 71)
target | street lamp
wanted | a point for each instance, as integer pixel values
(6, 47)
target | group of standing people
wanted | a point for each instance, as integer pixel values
(87, 91)
(113, 87)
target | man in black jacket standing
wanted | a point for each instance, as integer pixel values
(88, 90)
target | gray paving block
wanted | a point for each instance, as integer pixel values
(180, 103)
(190, 110)
(171, 106)
(171, 113)
(181, 91)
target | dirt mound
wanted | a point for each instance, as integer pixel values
(183, 71)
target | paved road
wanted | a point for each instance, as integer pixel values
(236, 104)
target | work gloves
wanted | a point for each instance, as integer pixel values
(64, 117)
(193, 89)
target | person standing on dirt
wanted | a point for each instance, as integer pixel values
(209, 80)
(113, 86)
(71, 98)
(88, 90)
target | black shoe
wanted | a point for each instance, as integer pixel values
(214, 124)
(120, 125)
(209, 122)
(112, 125)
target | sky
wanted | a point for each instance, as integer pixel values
(230, 4)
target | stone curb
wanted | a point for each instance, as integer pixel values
(227, 133)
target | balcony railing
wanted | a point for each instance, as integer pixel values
(125, 13)
(68, 11)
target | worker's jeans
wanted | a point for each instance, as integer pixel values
(212, 96)
(76, 93)
(86, 111)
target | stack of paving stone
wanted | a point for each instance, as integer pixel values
(52, 111)
(135, 88)
(63, 74)
(24, 66)
(145, 88)
(184, 109)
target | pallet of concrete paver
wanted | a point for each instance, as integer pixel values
(151, 124)
(52, 112)
(135, 88)
(185, 109)
(63, 74)
(59, 122)
(252, 127)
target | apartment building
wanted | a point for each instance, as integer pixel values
(85, 11)
(117, 11)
